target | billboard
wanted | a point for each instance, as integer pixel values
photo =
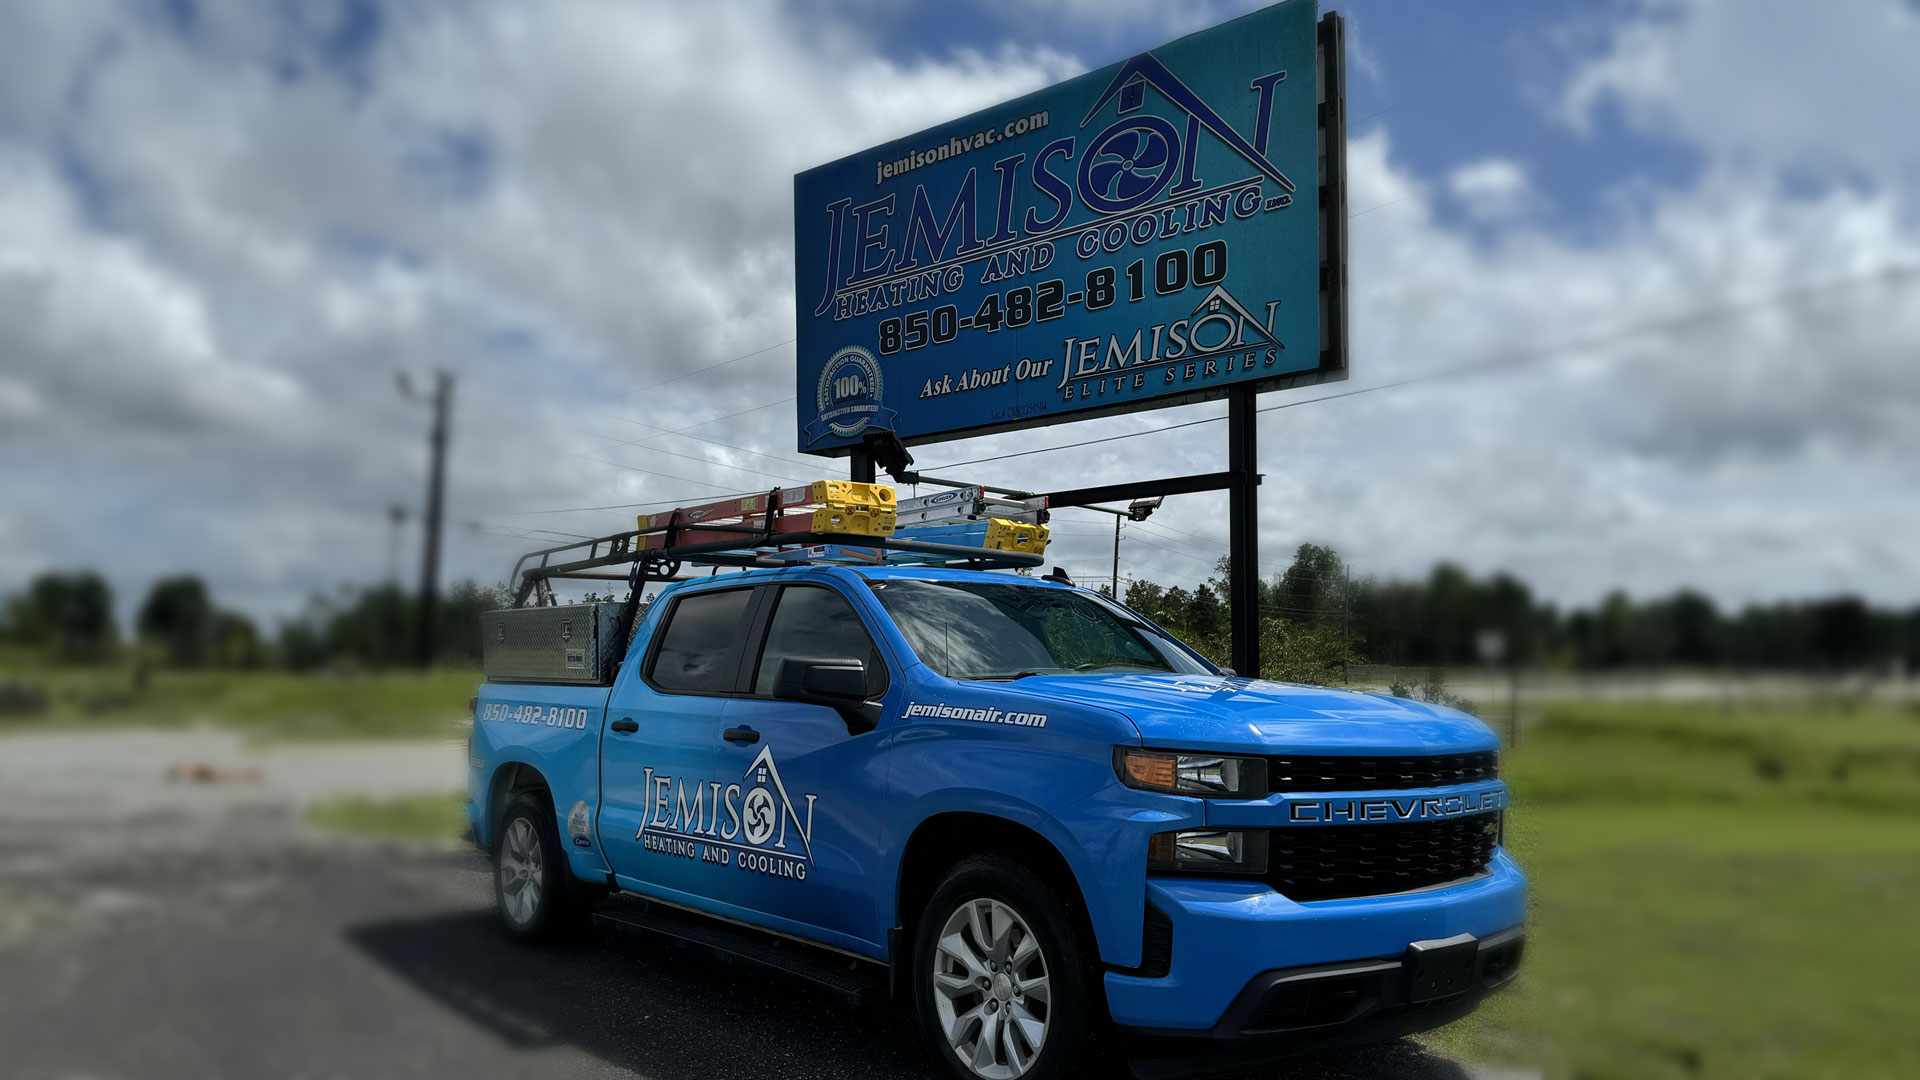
(1143, 235)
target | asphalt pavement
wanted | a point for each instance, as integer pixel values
(164, 912)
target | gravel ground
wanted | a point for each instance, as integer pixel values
(156, 927)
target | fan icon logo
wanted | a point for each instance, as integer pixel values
(760, 814)
(1130, 164)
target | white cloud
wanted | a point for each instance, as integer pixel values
(1736, 453)
(1823, 91)
(100, 336)
(211, 266)
(1493, 189)
(216, 248)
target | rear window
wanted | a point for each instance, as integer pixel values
(700, 644)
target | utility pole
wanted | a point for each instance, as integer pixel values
(1139, 510)
(441, 401)
(397, 518)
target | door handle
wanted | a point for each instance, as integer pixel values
(624, 726)
(741, 735)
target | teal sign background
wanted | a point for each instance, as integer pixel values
(1142, 235)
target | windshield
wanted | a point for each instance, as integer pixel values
(1000, 630)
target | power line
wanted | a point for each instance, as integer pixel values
(653, 472)
(586, 509)
(695, 438)
(1276, 563)
(705, 461)
(649, 472)
(1886, 275)
(523, 534)
(1209, 558)
(710, 367)
(1383, 206)
(661, 432)
(1279, 562)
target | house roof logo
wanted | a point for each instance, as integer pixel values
(763, 819)
(1130, 82)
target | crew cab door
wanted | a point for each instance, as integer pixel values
(729, 801)
(663, 728)
(810, 792)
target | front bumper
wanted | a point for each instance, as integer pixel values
(1234, 941)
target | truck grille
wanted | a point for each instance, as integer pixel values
(1379, 773)
(1331, 862)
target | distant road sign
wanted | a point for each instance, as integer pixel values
(1140, 236)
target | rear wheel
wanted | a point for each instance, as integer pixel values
(537, 895)
(999, 974)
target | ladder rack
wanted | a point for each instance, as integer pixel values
(825, 522)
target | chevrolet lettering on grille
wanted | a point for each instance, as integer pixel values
(1396, 808)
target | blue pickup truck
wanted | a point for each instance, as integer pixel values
(1045, 822)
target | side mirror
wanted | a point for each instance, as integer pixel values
(837, 682)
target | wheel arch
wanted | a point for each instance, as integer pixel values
(510, 779)
(942, 840)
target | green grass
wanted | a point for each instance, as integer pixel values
(414, 817)
(1713, 895)
(266, 704)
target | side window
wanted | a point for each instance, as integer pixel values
(814, 621)
(699, 642)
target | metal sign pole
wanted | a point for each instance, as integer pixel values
(1243, 531)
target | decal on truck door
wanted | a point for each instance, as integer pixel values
(753, 825)
(580, 824)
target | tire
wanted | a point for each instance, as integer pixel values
(536, 894)
(1027, 1012)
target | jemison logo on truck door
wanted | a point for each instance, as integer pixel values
(752, 825)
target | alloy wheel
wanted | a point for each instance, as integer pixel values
(521, 880)
(990, 989)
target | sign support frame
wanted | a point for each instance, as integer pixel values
(1242, 477)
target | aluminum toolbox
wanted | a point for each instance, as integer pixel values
(566, 644)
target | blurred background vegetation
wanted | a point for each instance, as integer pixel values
(1719, 810)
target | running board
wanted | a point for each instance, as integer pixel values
(856, 981)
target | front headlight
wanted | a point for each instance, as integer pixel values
(1219, 851)
(1210, 776)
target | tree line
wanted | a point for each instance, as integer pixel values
(1320, 616)
(1317, 618)
(71, 616)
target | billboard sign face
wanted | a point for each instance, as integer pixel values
(1143, 235)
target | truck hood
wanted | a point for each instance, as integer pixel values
(1213, 712)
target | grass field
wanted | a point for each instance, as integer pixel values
(1714, 895)
(414, 817)
(269, 704)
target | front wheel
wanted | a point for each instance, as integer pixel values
(999, 983)
(535, 891)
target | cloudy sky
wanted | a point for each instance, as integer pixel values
(1685, 230)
